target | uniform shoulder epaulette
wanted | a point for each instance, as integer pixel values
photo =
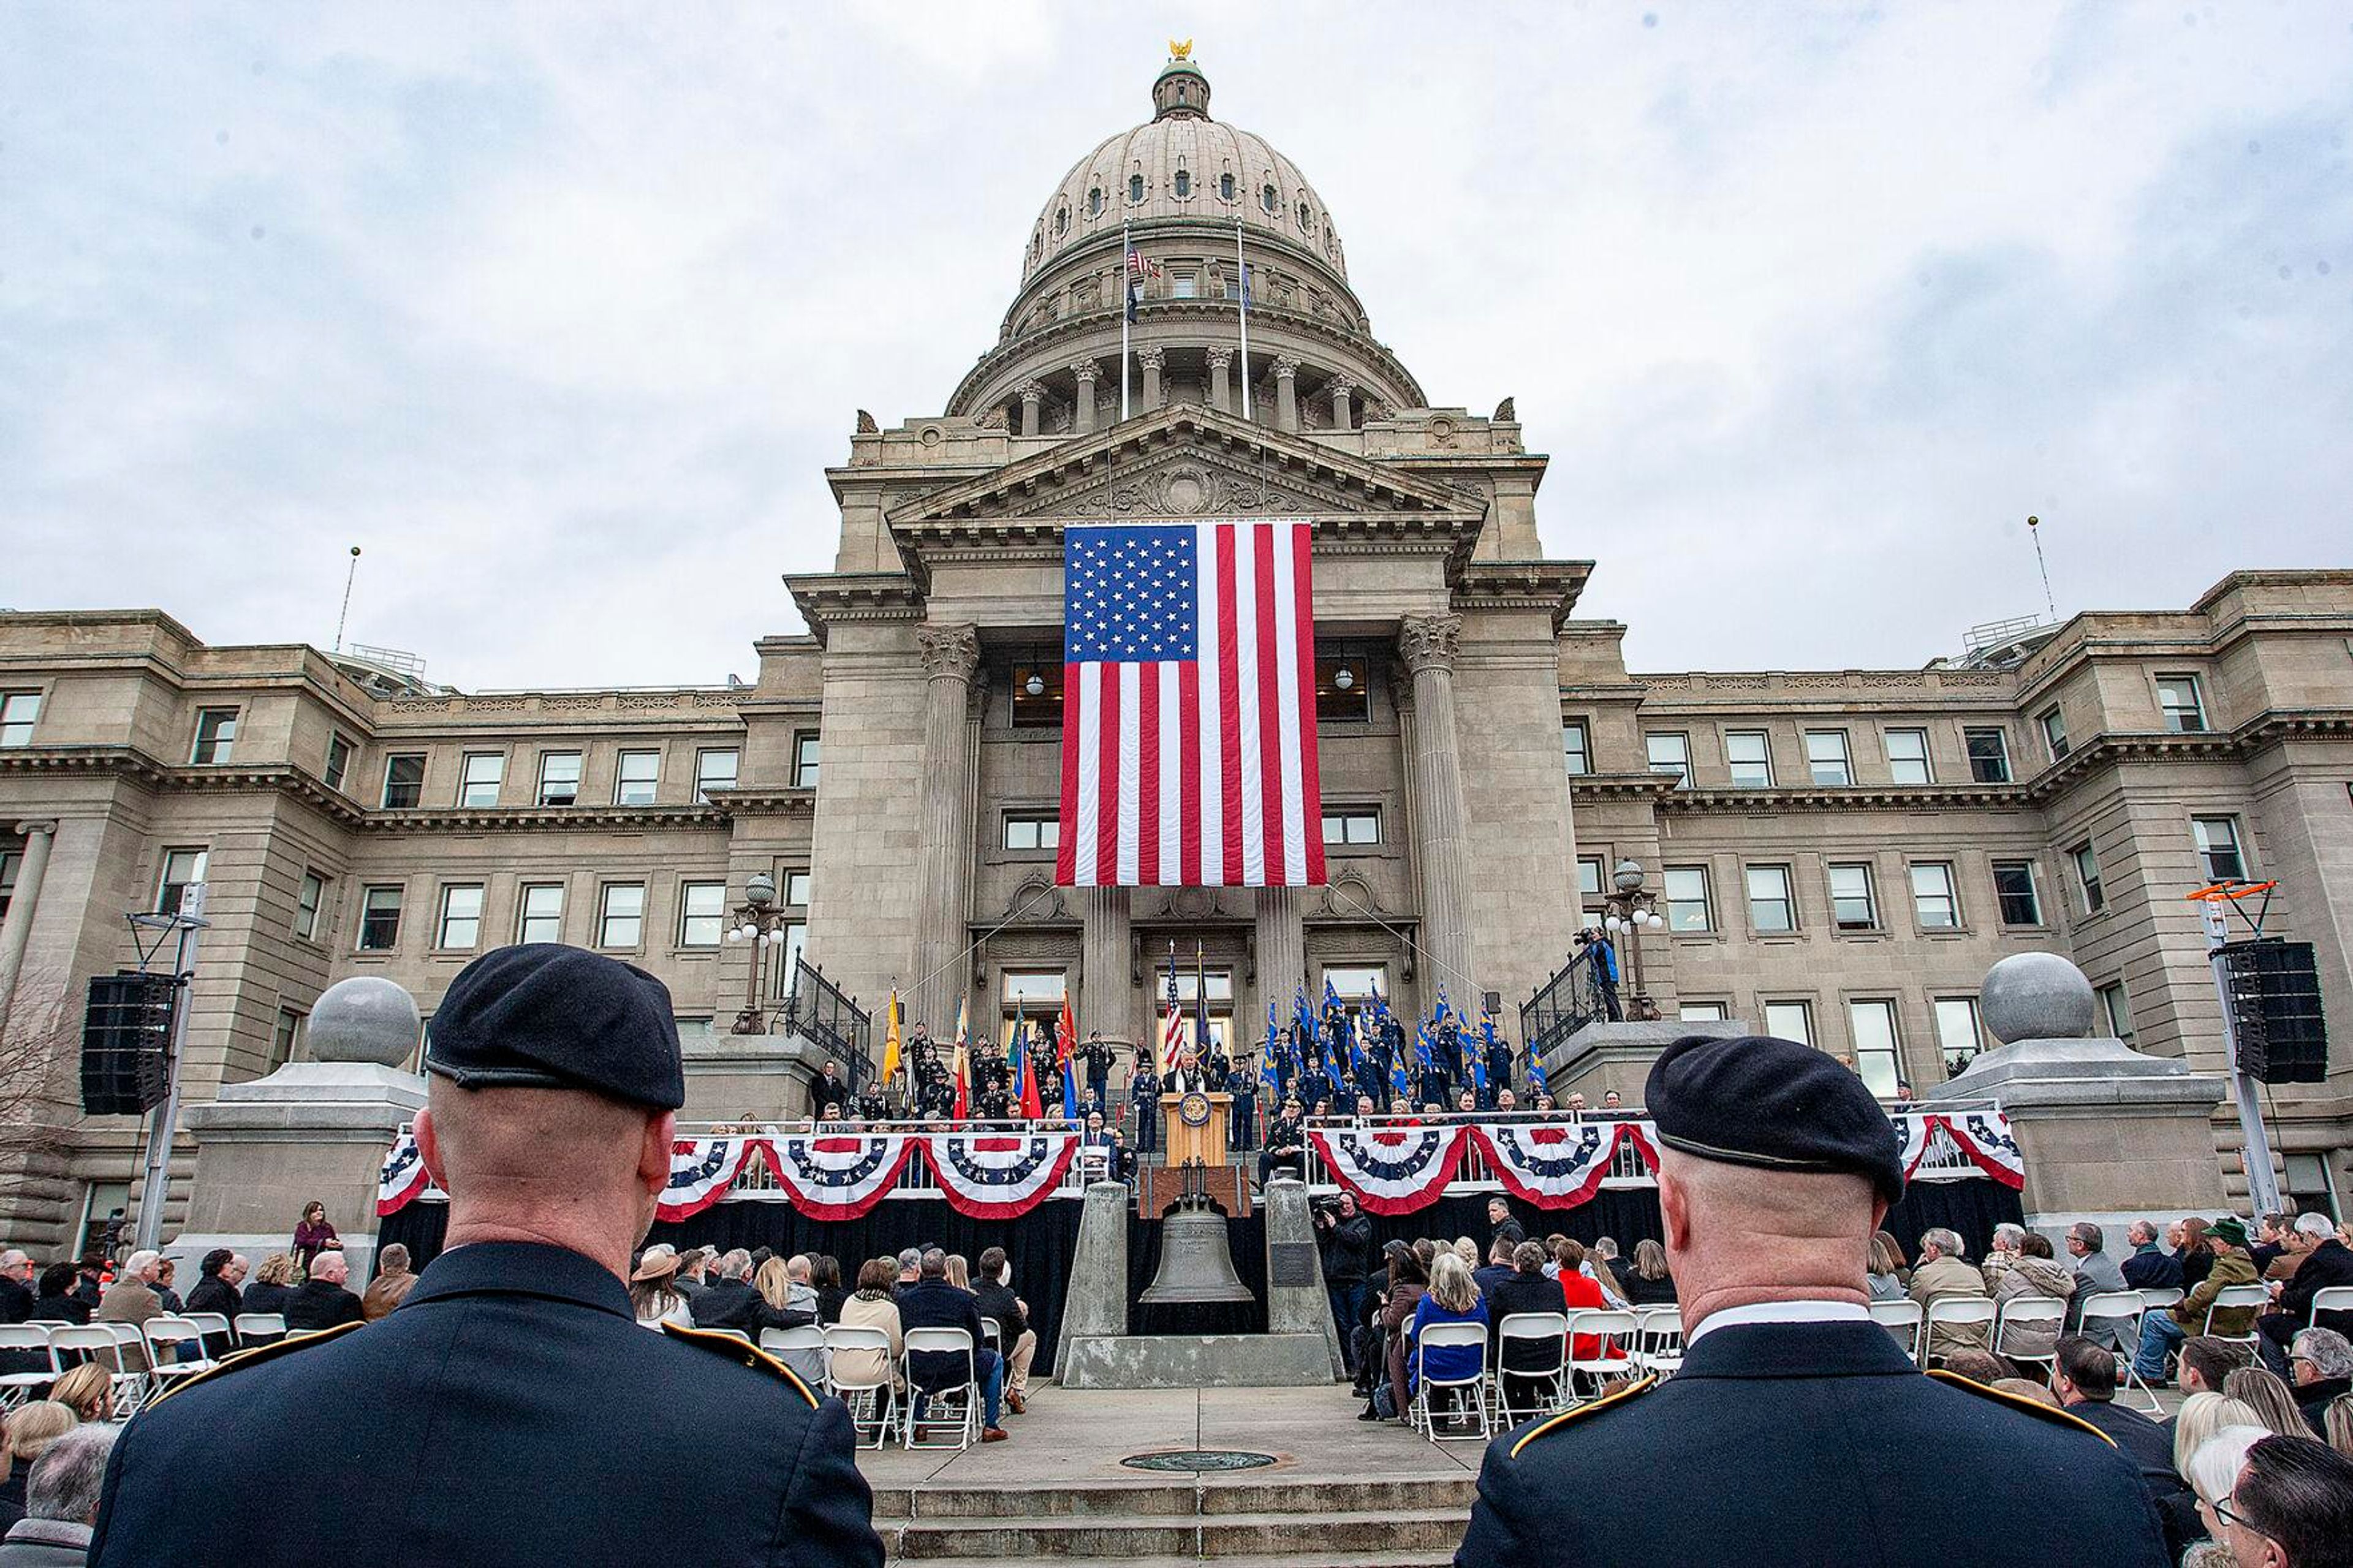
(254, 1357)
(1579, 1411)
(742, 1355)
(2020, 1402)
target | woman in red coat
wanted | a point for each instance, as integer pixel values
(1581, 1292)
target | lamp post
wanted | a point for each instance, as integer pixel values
(757, 922)
(1631, 908)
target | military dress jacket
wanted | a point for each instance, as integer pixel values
(1806, 1444)
(512, 1412)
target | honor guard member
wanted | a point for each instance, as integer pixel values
(1797, 1432)
(512, 1412)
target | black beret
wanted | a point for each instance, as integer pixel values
(544, 1016)
(1775, 1104)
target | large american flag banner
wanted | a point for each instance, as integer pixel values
(1189, 707)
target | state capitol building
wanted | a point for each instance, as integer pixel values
(1837, 854)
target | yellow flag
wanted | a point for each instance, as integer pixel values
(890, 1042)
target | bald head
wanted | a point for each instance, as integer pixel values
(330, 1268)
(1737, 1234)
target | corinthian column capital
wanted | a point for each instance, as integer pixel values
(949, 651)
(1429, 642)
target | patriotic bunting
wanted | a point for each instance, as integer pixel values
(832, 1176)
(403, 1178)
(1554, 1165)
(1391, 1170)
(999, 1175)
(1982, 1135)
(700, 1171)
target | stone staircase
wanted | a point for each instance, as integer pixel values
(1237, 1522)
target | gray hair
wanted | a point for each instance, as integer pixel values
(796, 1267)
(1945, 1241)
(2214, 1468)
(2331, 1353)
(392, 1259)
(2006, 1236)
(2093, 1238)
(2141, 1230)
(140, 1264)
(735, 1265)
(13, 1257)
(910, 1259)
(935, 1264)
(2316, 1226)
(65, 1478)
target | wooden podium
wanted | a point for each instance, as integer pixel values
(1193, 1127)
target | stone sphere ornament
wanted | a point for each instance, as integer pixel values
(366, 1018)
(2037, 996)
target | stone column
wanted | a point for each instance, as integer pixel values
(950, 654)
(1222, 396)
(1442, 844)
(1032, 393)
(1286, 394)
(1087, 371)
(1341, 387)
(1281, 955)
(1151, 360)
(39, 836)
(1104, 994)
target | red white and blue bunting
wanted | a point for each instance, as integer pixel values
(404, 1177)
(1982, 1136)
(700, 1171)
(999, 1175)
(1557, 1165)
(1391, 1170)
(833, 1176)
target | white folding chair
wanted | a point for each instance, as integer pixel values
(873, 1404)
(258, 1328)
(1548, 1328)
(802, 1349)
(2154, 1296)
(2229, 1297)
(2026, 1315)
(24, 1340)
(99, 1342)
(212, 1325)
(2121, 1310)
(2332, 1299)
(960, 1400)
(1609, 1330)
(1451, 1336)
(1659, 1340)
(132, 1385)
(731, 1333)
(176, 1348)
(1905, 1322)
(1959, 1313)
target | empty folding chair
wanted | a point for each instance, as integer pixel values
(1960, 1312)
(957, 1401)
(25, 1350)
(859, 1372)
(1531, 1359)
(2117, 1315)
(2022, 1316)
(1905, 1322)
(1599, 1346)
(802, 1349)
(258, 1328)
(214, 1326)
(2332, 1299)
(1470, 1384)
(176, 1348)
(1659, 1340)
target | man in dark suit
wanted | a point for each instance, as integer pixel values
(16, 1287)
(2084, 1376)
(1801, 1423)
(734, 1303)
(2322, 1262)
(322, 1301)
(2151, 1266)
(931, 1302)
(1502, 1226)
(512, 1412)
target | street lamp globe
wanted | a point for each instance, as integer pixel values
(1628, 877)
(1610, 922)
(760, 891)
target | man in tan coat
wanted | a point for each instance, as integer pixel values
(1944, 1270)
(131, 1299)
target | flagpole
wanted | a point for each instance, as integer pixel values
(1242, 298)
(1126, 310)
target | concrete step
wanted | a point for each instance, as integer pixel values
(1176, 1498)
(1321, 1559)
(1458, 1488)
(1160, 1499)
(1286, 1535)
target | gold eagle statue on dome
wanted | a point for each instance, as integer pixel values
(1177, 51)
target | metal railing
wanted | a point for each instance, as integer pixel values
(757, 1183)
(828, 1017)
(1562, 1004)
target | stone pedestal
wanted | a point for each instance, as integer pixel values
(1603, 1056)
(1296, 1301)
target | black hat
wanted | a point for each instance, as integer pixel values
(543, 1015)
(1774, 1104)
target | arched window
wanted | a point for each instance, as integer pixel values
(1225, 187)
(1135, 187)
(1094, 202)
(1306, 218)
(1184, 184)
(1061, 222)
(1268, 199)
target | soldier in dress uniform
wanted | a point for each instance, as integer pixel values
(1242, 1129)
(512, 1412)
(1143, 1089)
(1097, 1057)
(1796, 1431)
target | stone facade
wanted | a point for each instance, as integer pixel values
(632, 819)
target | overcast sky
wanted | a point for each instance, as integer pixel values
(560, 311)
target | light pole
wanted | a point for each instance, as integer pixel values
(1631, 908)
(757, 923)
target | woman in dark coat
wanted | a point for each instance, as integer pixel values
(55, 1302)
(825, 1273)
(1528, 1290)
(313, 1234)
(272, 1287)
(1409, 1282)
(1647, 1283)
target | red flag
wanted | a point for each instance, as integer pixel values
(1031, 1107)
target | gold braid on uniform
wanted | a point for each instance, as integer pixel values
(236, 1359)
(1577, 1412)
(742, 1354)
(2020, 1402)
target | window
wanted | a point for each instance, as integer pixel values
(1749, 754)
(639, 776)
(339, 759)
(12, 861)
(805, 761)
(1094, 202)
(1353, 825)
(1907, 757)
(1988, 755)
(1588, 876)
(1957, 1032)
(1934, 904)
(1061, 222)
(621, 921)
(182, 868)
(2087, 877)
(216, 735)
(540, 916)
(1183, 285)
(1306, 218)
(2013, 885)
(796, 887)
(2116, 1009)
(1576, 745)
(2218, 847)
(1042, 706)
(1669, 754)
(307, 901)
(1791, 1021)
(1854, 905)
(17, 712)
(1875, 1052)
(1032, 996)
(715, 769)
(1135, 187)
(1826, 754)
(1700, 1011)
(1032, 830)
(379, 920)
(2178, 698)
(1184, 184)
(559, 778)
(1225, 187)
(1351, 985)
(701, 913)
(404, 781)
(2054, 733)
(285, 1040)
(1268, 198)
(1769, 906)
(479, 778)
(461, 916)
(1687, 906)
(1343, 692)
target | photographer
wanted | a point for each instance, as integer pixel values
(1346, 1237)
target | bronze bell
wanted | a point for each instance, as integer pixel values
(1196, 1262)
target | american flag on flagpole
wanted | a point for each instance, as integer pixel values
(1188, 718)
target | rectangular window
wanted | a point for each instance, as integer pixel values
(1687, 903)
(2087, 878)
(1033, 830)
(1031, 996)
(216, 735)
(1344, 689)
(2116, 1009)
(479, 778)
(1182, 285)
(1700, 1011)
(1826, 754)
(182, 869)
(461, 916)
(404, 781)
(1576, 746)
(2178, 698)
(1957, 1032)
(1588, 876)
(1854, 904)
(1791, 1021)
(339, 759)
(559, 778)
(2013, 884)
(541, 916)
(1749, 754)
(285, 1041)
(2054, 733)
(379, 920)
(1876, 1055)
(1907, 757)
(11, 862)
(1353, 985)
(1669, 754)
(639, 777)
(703, 914)
(621, 921)
(796, 886)
(715, 769)
(1353, 825)
(1038, 696)
(307, 901)
(805, 761)
(18, 709)
(1988, 755)
(2218, 847)
(1934, 903)
(1769, 906)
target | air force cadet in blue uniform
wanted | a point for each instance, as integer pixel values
(1795, 1431)
(511, 1411)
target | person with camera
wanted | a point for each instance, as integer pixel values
(1347, 1241)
